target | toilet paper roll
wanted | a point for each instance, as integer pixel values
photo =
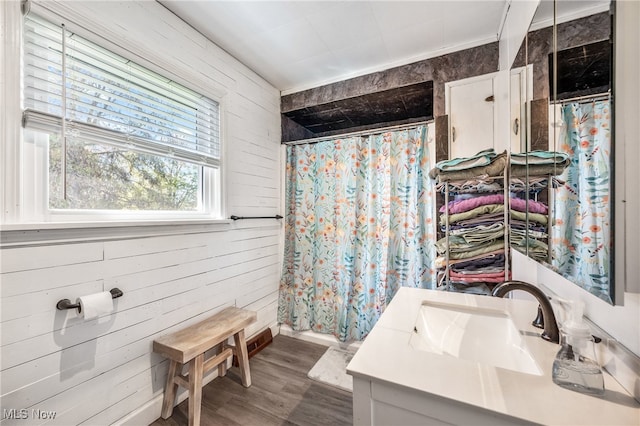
(94, 305)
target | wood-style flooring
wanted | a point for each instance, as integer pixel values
(280, 393)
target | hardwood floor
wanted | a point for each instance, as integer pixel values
(280, 394)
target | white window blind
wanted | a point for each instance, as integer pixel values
(109, 99)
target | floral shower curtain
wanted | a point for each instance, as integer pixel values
(582, 231)
(359, 225)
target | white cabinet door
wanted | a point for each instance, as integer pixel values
(520, 95)
(472, 115)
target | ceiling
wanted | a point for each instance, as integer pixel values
(297, 45)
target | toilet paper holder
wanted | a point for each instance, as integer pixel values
(66, 303)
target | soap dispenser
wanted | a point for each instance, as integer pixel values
(575, 366)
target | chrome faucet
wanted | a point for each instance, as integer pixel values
(550, 332)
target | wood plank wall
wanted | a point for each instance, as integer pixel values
(104, 371)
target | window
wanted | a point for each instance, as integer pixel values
(106, 137)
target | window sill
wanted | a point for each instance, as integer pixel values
(31, 234)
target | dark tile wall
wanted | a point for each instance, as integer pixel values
(406, 103)
(293, 130)
(442, 138)
(570, 34)
(539, 45)
(442, 69)
(540, 124)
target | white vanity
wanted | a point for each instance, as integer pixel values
(450, 358)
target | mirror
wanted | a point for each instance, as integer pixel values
(562, 165)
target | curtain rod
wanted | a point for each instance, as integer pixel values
(589, 98)
(234, 217)
(359, 133)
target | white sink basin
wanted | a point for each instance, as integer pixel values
(486, 336)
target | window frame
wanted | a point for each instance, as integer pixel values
(19, 213)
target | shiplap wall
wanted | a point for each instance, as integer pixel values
(104, 371)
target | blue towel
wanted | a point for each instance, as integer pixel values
(482, 158)
(539, 157)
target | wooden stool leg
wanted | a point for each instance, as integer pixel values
(243, 358)
(195, 389)
(170, 390)
(222, 367)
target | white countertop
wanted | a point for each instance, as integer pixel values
(385, 355)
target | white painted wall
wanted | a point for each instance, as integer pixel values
(104, 371)
(627, 144)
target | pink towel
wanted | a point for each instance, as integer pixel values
(466, 279)
(453, 274)
(461, 206)
(534, 206)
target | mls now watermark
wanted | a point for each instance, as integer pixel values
(26, 414)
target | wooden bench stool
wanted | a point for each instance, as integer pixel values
(189, 345)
